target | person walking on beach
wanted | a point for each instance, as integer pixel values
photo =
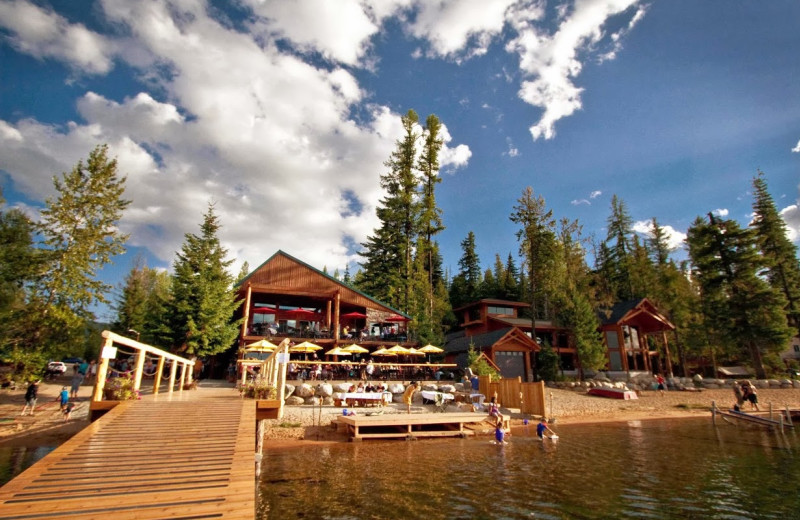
(662, 383)
(749, 393)
(408, 394)
(63, 396)
(30, 397)
(68, 411)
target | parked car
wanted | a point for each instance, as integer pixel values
(72, 360)
(55, 369)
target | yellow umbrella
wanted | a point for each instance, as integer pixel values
(430, 349)
(397, 349)
(304, 348)
(355, 349)
(338, 352)
(383, 352)
(414, 352)
(261, 345)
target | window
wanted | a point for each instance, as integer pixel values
(503, 311)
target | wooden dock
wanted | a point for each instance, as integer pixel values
(180, 458)
(403, 425)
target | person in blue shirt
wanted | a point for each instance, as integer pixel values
(499, 433)
(64, 397)
(542, 427)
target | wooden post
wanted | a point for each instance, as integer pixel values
(159, 373)
(102, 370)
(184, 366)
(770, 412)
(246, 319)
(137, 378)
(789, 417)
(173, 371)
(713, 413)
(282, 380)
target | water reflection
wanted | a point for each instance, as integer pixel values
(648, 469)
(14, 461)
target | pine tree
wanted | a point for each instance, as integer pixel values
(141, 305)
(466, 284)
(430, 214)
(620, 231)
(747, 311)
(203, 302)
(537, 240)
(779, 254)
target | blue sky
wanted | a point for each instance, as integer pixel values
(283, 112)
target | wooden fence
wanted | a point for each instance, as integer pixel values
(513, 393)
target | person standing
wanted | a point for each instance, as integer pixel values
(750, 394)
(30, 397)
(409, 394)
(77, 379)
(662, 384)
(63, 396)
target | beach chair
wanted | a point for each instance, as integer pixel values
(440, 403)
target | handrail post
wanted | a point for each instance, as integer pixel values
(102, 371)
(173, 371)
(159, 373)
(137, 378)
(184, 367)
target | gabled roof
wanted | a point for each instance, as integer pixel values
(492, 301)
(263, 270)
(639, 312)
(462, 343)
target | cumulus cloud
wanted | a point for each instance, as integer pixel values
(675, 238)
(231, 117)
(796, 149)
(720, 212)
(791, 215)
(455, 28)
(43, 34)
(593, 195)
(551, 62)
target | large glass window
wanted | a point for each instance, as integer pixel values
(502, 311)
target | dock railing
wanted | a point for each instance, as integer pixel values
(142, 351)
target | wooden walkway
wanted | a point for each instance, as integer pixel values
(403, 425)
(188, 457)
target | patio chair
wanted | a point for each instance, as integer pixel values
(439, 402)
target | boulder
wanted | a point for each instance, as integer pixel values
(304, 390)
(464, 407)
(697, 378)
(448, 389)
(324, 390)
(773, 383)
(313, 400)
(327, 401)
(397, 388)
(293, 400)
(341, 387)
(288, 390)
(429, 387)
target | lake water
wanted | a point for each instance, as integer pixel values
(14, 461)
(640, 469)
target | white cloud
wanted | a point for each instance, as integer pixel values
(595, 194)
(44, 34)
(551, 62)
(264, 134)
(796, 149)
(675, 238)
(578, 202)
(459, 27)
(791, 215)
(720, 212)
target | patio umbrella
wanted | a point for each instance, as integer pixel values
(301, 313)
(355, 349)
(396, 318)
(264, 310)
(304, 348)
(397, 349)
(414, 352)
(261, 345)
(338, 352)
(354, 315)
(430, 349)
(383, 352)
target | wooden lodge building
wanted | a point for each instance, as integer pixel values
(287, 298)
(495, 328)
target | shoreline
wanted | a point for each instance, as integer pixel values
(305, 425)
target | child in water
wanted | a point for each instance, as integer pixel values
(542, 427)
(499, 433)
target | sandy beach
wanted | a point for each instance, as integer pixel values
(306, 423)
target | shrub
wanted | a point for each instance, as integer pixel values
(120, 389)
(259, 389)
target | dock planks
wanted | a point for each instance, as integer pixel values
(401, 425)
(182, 459)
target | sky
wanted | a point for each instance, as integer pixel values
(281, 113)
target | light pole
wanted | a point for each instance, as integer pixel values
(131, 331)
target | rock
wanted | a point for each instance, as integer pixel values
(448, 389)
(761, 383)
(429, 387)
(324, 390)
(288, 390)
(711, 386)
(304, 390)
(464, 407)
(773, 383)
(697, 378)
(313, 400)
(460, 388)
(397, 388)
(341, 387)
(294, 400)
(327, 401)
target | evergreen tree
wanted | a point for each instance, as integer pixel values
(537, 246)
(202, 305)
(779, 254)
(141, 305)
(466, 284)
(243, 272)
(430, 213)
(747, 311)
(509, 286)
(620, 232)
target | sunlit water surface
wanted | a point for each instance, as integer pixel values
(14, 461)
(639, 469)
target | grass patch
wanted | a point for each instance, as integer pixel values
(290, 425)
